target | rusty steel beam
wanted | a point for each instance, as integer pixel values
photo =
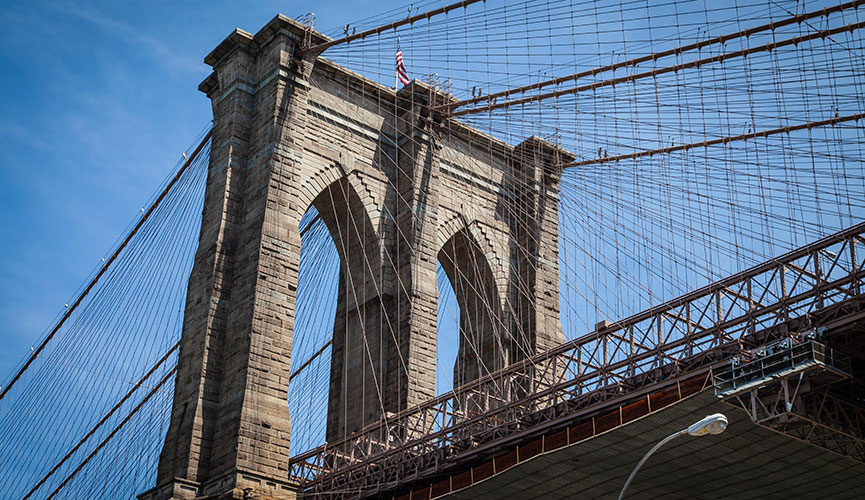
(720, 140)
(108, 262)
(656, 72)
(318, 49)
(655, 56)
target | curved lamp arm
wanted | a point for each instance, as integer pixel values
(646, 457)
(711, 424)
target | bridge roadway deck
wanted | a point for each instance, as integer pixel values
(747, 461)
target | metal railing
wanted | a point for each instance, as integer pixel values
(666, 341)
(776, 360)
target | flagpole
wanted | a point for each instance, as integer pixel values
(396, 68)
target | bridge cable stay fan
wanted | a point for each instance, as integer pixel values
(592, 172)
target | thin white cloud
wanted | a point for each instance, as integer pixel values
(20, 134)
(163, 54)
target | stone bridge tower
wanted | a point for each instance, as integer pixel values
(398, 189)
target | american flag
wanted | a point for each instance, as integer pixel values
(401, 73)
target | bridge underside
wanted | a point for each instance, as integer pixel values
(746, 461)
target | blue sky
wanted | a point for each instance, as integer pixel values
(98, 101)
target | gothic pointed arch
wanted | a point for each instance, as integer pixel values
(362, 340)
(464, 256)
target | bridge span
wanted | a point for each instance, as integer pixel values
(647, 375)
(353, 290)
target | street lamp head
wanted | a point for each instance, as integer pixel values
(713, 424)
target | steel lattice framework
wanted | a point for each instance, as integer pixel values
(788, 388)
(682, 337)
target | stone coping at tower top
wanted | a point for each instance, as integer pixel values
(243, 39)
(240, 39)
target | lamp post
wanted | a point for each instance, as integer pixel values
(712, 424)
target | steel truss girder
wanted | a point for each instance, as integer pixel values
(811, 414)
(671, 340)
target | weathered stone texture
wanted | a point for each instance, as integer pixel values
(398, 191)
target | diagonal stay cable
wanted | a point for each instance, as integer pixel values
(655, 72)
(102, 421)
(318, 49)
(108, 263)
(655, 56)
(119, 426)
(721, 140)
